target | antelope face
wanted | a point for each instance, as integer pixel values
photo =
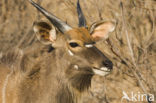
(81, 44)
(78, 42)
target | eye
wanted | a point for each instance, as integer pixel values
(73, 44)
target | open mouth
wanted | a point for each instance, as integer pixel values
(102, 71)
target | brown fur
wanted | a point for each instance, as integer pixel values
(38, 82)
(40, 76)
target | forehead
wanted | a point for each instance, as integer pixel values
(80, 34)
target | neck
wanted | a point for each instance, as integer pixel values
(75, 89)
(74, 83)
(78, 82)
(81, 81)
(71, 84)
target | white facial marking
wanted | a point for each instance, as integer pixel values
(88, 45)
(52, 35)
(100, 72)
(70, 53)
(105, 69)
(35, 29)
(76, 67)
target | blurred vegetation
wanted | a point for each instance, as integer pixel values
(132, 47)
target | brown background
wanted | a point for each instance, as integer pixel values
(134, 71)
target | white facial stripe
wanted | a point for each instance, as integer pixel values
(76, 67)
(100, 72)
(52, 35)
(70, 53)
(88, 45)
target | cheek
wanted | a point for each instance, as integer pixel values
(75, 52)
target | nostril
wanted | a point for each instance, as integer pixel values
(108, 64)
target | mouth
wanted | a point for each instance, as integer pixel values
(103, 71)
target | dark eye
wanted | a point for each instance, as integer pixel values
(73, 44)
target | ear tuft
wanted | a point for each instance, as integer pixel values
(45, 32)
(102, 29)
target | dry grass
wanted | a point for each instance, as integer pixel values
(132, 47)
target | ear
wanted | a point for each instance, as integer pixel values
(101, 30)
(45, 32)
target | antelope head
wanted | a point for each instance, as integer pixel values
(78, 43)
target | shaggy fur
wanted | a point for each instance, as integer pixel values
(33, 81)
